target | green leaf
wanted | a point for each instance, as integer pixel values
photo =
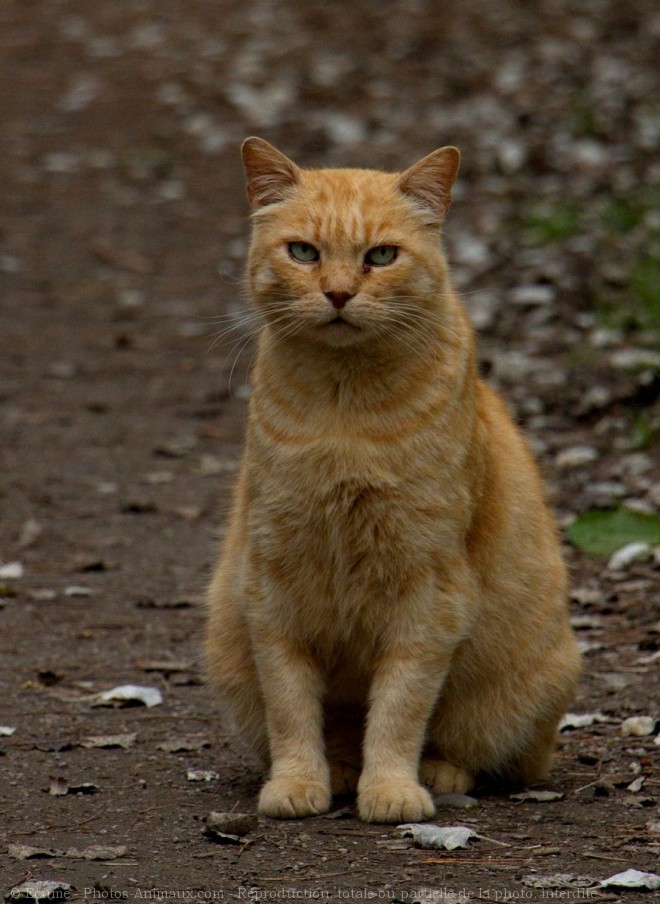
(548, 224)
(602, 531)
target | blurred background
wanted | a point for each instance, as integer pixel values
(121, 123)
(123, 223)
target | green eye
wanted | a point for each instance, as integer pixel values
(303, 252)
(381, 256)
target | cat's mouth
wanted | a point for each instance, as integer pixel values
(339, 323)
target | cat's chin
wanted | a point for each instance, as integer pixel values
(339, 333)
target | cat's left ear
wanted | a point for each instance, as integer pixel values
(430, 180)
(269, 173)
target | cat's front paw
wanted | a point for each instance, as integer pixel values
(291, 798)
(394, 801)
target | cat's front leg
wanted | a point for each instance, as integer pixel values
(292, 688)
(404, 690)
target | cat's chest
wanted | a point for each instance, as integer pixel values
(319, 501)
(342, 520)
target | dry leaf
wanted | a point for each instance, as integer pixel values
(636, 784)
(573, 720)
(164, 665)
(30, 532)
(430, 837)
(202, 775)
(59, 787)
(129, 695)
(632, 878)
(457, 801)
(178, 603)
(97, 852)
(179, 745)
(639, 726)
(541, 797)
(560, 880)
(27, 852)
(229, 828)
(76, 590)
(11, 571)
(110, 741)
(39, 891)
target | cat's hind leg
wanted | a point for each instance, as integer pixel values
(441, 777)
(231, 670)
(496, 718)
(343, 748)
(344, 777)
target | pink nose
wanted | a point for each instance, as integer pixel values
(338, 299)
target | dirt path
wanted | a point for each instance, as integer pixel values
(122, 234)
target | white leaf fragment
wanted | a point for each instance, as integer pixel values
(38, 891)
(424, 895)
(127, 694)
(202, 775)
(109, 741)
(27, 852)
(636, 785)
(30, 532)
(97, 852)
(628, 554)
(537, 796)
(6, 731)
(559, 880)
(576, 457)
(639, 726)
(178, 745)
(59, 787)
(575, 720)
(447, 838)
(75, 590)
(458, 801)
(11, 571)
(632, 878)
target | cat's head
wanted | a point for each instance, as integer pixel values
(346, 256)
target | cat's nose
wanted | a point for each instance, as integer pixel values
(338, 299)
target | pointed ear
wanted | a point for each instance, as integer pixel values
(268, 173)
(429, 181)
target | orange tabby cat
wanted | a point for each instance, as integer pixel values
(390, 602)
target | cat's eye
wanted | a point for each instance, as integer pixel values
(381, 256)
(303, 252)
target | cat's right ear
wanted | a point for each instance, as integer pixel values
(430, 180)
(269, 174)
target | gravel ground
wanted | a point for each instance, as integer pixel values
(122, 237)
